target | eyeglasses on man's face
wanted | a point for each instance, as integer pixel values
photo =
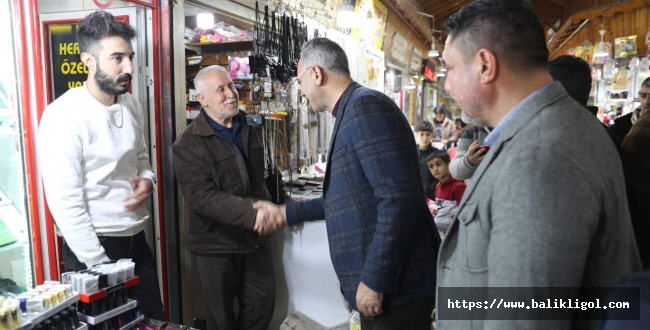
(301, 73)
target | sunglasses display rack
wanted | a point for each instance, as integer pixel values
(109, 308)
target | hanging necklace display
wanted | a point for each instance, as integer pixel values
(313, 137)
(266, 150)
(322, 127)
(303, 135)
(294, 127)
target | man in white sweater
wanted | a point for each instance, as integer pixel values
(96, 169)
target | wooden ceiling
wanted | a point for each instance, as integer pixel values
(549, 11)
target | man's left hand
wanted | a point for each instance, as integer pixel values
(369, 301)
(142, 188)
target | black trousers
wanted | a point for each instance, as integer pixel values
(249, 278)
(414, 316)
(134, 248)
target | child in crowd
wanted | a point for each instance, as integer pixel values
(449, 191)
(424, 137)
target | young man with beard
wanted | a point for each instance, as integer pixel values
(96, 170)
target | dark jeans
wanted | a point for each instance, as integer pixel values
(414, 316)
(134, 248)
(249, 278)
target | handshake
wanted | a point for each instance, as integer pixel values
(270, 217)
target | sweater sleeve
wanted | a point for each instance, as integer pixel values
(460, 168)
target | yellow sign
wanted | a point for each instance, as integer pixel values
(67, 69)
(373, 16)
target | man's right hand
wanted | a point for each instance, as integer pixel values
(270, 217)
(475, 154)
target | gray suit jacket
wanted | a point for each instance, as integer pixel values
(546, 208)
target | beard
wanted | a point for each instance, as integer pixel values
(110, 86)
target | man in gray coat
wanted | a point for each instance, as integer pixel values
(546, 208)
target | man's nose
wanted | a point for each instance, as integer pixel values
(230, 93)
(128, 66)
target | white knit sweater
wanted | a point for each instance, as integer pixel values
(86, 161)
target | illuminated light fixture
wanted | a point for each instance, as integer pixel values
(440, 74)
(601, 51)
(433, 52)
(345, 16)
(204, 21)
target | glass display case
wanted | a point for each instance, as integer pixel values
(16, 262)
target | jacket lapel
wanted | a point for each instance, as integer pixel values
(345, 97)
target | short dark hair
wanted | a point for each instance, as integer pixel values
(424, 126)
(326, 53)
(509, 28)
(439, 154)
(575, 75)
(99, 25)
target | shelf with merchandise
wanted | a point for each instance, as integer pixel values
(103, 293)
(93, 320)
(29, 321)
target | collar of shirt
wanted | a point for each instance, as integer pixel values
(231, 135)
(218, 127)
(496, 132)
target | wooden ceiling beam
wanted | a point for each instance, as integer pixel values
(442, 12)
(436, 8)
(412, 19)
(608, 10)
(560, 3)
(578, 20)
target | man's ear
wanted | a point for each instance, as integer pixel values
(318, 75)
(89, 60)
(489, 65)
(201, 99)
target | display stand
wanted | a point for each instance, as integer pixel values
(115, 312)
(103, 293)
(29, 321)
(93, 320)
